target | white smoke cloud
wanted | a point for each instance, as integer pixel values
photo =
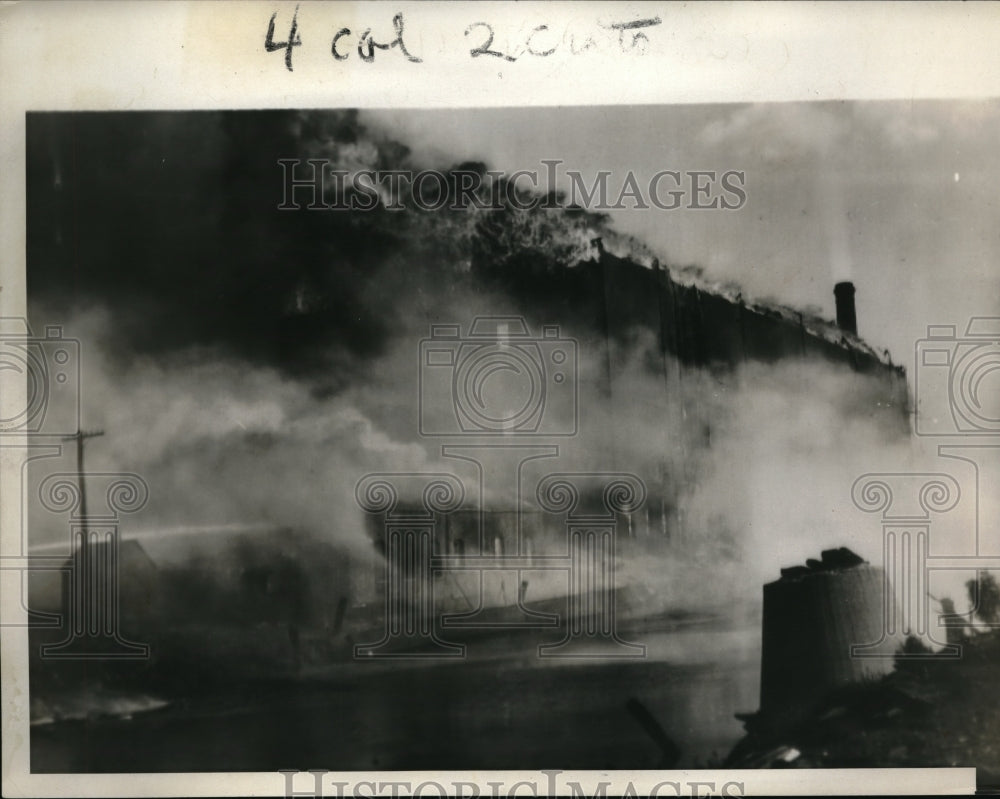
(764, 456)
(222, 442)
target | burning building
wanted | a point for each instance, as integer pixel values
(693, 342)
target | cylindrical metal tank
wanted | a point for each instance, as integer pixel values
(812, 617)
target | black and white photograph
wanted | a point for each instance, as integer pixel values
(650, 437)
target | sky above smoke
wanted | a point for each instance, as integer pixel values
(252, 363)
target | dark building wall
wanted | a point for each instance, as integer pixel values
(608, 299)
(608, 302)
(698, 330)
(701, 327)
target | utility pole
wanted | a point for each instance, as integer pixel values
(92, 607)
(80, 437)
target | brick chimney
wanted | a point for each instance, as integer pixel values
(846, 317)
